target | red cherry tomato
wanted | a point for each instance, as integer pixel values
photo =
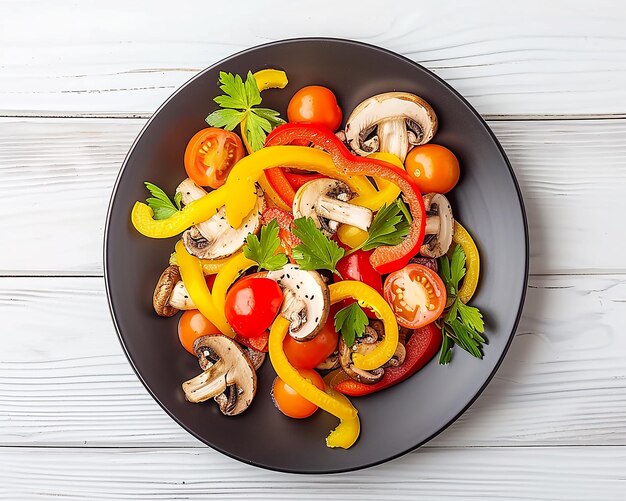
(191, 326)
(434, 168)
(309, 354)
(316, 105)
(291, 403)
(211, 154)
(416, 295)
(357, 266)
(252, 304)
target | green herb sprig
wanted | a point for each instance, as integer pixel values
(351, 322)
(462, 324)
(316, 251)
(238, 103)
(263, 250)
(160, 203)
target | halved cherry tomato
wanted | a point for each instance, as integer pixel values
(416, 294)
(211, 154)
(315, 105)
(289, 402)
(252, 304)
(191, 326)
(357, 266)
(309, 354)
(434, 168)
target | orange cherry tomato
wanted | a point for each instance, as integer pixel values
(291, 403)
(211, 154)
(315, 105)
(191, 326)
(416, 295)
(434, 168)
(309, 354)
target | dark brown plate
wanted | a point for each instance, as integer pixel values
(487, 201)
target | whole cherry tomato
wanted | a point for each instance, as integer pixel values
(357, 266)
(211, 154)
(416, 295)
(252, 304)
(291, 403)
(433, 167)
(309, 354)
(191, 326)
(316, 105)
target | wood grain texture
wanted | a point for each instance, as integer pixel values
(65, 382)
(530, 58)
(57, 175)
(575, 474)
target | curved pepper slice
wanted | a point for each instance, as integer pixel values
(422, 346)
(385, 258)
(195, 283)
(246, 172)
(196, 212)
(348, 430)
(335, 406)
(209, 266)
(387, 191)
(368, 297)
(228, 273)
(270, 78)
(472, 262)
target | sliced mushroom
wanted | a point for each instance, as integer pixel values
(398, 357)
(439, 225)
(429, 262)
(326, 202)
(170, 294)
(229, 377)
(331, 362)
(392, 122)
(215, 238)
(362, 345)
(306, 300)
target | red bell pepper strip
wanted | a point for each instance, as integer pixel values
(279, 183)
(421, 347)
(298, 180)
(385, 259)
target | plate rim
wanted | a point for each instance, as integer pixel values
(470, 108)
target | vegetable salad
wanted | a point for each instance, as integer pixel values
(334, 251)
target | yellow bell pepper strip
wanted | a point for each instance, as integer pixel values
(196, 212)
(351, 235)
(209, 266)
(246, 172)
(228, 273)
(388, 191)
(472, 262)
(368, 297)
(346, 434)
(292, 377)
(270, 79)
(193, 278)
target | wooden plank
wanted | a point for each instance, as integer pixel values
(579, 473)
(572, 174)
(530, 58)
(65, 382)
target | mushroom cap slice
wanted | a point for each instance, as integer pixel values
(361, 345)
(216, 239)
(163, 291)
(229, 376)
(307, 300)
(439, 225)
(407, 119)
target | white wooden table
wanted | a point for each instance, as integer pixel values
(78, 79)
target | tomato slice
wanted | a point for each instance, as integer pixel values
(211, 154)
(416, 295)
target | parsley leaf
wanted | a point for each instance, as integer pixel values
(316, 251)
(262, 250)
(462, 324)
(389, 227)
(351, 322)
(161, 205)
(237, 105)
